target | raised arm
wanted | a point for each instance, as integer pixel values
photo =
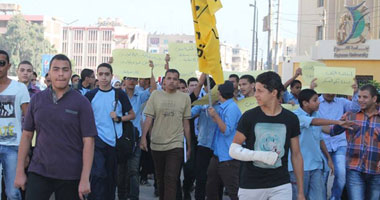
(287, 83)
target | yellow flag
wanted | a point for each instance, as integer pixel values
(207, 37)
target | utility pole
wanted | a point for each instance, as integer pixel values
(257, 40)
(269, 60)
(277, 25)
(253, 66)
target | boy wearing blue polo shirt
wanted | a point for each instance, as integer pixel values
(312, 146)
(128, 173)
(108, 123)
(223, 168)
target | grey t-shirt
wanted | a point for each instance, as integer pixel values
(60, 128)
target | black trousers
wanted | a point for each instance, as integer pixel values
(202, 161)
(41, 188)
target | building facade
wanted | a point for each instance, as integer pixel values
(87, 46)
(320, 20)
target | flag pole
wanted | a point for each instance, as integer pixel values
(209, 90)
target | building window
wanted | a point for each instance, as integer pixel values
(155, 41)
(321, 3)
(319, 33)
(64, 34)
(235, 51)
(64, 48)
(92, 35)
(107, 35)
(78, 35)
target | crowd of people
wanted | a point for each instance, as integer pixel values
(62, 140)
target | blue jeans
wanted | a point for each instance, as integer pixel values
(128, 185)
(313, 185)
(339, 160)
(362, 186)
(8, 161)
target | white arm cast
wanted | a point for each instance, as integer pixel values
(239, 153)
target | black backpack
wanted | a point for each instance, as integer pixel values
(125, 145)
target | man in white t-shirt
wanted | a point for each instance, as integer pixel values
(14, 100)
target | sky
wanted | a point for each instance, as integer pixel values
(234, 20)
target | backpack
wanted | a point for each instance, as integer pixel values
(125, 145)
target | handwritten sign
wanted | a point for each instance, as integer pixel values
(227, 74)
(183, 57)
(131, 63)
(308, 71)
(334, 80)
(204, 99)
(247, 104)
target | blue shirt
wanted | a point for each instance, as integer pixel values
(103, 103)
(206, 125)
(230, 114)
(288, 96)
(310, 139)
(333, 111)
(137, 101)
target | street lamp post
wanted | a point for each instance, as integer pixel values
(254, 37)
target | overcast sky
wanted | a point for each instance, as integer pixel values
(234, 20)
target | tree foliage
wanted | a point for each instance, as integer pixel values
(25, 41)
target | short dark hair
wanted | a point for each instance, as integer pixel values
(293, 83)
(370, 88)
(6, 55)
(86, 73)
(378, 98)
(234, 76)
(35, 74)
(172, 71)
(60, 57)
(25, 62)
(306, 95)
(191, 80)
(271, 81)
(212, 83)
(73, 76)
(106, 65)
(249, 78)
(182, 81)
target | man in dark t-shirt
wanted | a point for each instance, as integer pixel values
(268, 132)
(65, 126)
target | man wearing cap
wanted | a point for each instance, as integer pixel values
(222, 168)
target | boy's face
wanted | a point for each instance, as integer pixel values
(313, 103)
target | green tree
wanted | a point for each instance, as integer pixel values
(25, 41)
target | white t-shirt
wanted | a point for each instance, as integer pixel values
(11, 100)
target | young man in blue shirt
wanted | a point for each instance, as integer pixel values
(108, 123)
(333, 108)
(128, 173)
(222, 168)
(312, 146)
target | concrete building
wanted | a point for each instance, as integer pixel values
(234, 58)
(159, 43)
(88, 46)
(341, 33)
(320, 20)
(92, 45)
